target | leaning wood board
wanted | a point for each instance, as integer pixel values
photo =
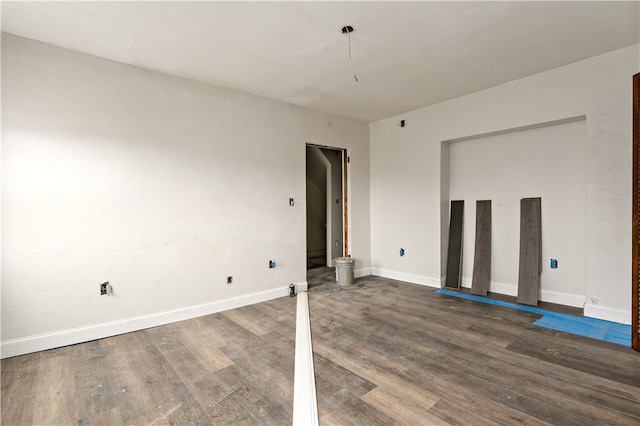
(482, 255)
(530, 250)
(454, 252)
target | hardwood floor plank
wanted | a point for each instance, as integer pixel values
(254, 320)
(247, 394)
(333, 398)
(553, 393)
(56, 404)
(621, 369)
(456, 414)
(381, 377)
(341, 377)
(378, 331)
(19, 379)
(402, 406)
(385, 352)
(274, 369)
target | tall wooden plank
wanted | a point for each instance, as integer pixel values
(635, 229)
(454, 252)
(530, 250)
(482, 256)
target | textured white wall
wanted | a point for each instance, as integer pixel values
(548, 162)
(406, 170)
(160, 185)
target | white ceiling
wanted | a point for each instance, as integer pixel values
(406, 54)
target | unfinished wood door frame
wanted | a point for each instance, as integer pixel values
(345, 194)
(635, 268)
(345, 204)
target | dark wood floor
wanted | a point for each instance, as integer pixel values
(385, 353)
(230, 368)
(388, 352)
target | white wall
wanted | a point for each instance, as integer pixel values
(160, 185)
(547, 162)
(406, 170)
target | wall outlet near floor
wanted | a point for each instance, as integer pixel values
(229, 280)
(593, 300)
(105, 289)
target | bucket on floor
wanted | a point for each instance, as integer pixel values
(344, 270)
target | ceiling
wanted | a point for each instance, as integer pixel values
(406, 54)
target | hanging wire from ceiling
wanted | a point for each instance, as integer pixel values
(348, 29)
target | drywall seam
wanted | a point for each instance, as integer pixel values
(305, 405)
(57, 339)
(403, 276)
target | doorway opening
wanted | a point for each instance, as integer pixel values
(326, 197)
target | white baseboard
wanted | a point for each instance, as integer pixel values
(608, 314)
(40, 342)
(403, 276)
(551, 296)
(364, 272)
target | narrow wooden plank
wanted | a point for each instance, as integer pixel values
(383, 377)
(251, 319)
(454, 251)
(19, 379)
(196, 340)
(145, 386)
(332, 399)
(482, 254)
(402, 405)
(458, 414)
(608, 368)
(530, 250)
(340, 376)
(553, 393)
(375, 370)
(56, 405)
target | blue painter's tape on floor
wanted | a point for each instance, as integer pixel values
(582, 326)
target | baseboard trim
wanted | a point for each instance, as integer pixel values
(551, 296)
(40, 342)
(608, 314)
(364, 272)
(403, 276)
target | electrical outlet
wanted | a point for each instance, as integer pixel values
(105, 289)
(229, 280)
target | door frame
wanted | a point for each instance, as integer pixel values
(346, 199)
(635, 233)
